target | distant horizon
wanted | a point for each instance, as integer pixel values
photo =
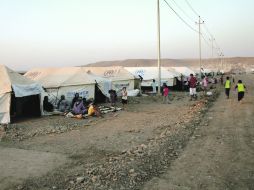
(235, 57)
(69, 33)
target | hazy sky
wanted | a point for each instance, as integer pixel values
(35, 33)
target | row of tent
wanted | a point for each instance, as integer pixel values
(24, 94)
(88, 81)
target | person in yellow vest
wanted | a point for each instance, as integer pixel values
(227, 87)
(241, 89)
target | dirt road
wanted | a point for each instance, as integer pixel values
(222, 157)
(190, 146)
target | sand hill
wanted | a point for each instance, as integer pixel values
(234, 63)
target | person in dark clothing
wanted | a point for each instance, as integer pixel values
(62, 104)
(193, 84)
(221, 80)
(47, 106)
(113, 97)
(75, 99)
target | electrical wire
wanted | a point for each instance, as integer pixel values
(188, 16)
(205, 40)
(206, 28)
(195, 12)
(186, 23)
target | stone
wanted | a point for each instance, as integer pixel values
(94, 178)
(131, 171)
(80, 179)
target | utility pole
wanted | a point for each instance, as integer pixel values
(221, 61)
(199, 31)
(212, 39)
(218, 58)
(159, 47)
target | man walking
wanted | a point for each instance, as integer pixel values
(227, 87)
(241, 89)
(193, 85)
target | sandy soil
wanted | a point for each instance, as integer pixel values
(183, 145)
(222, 156)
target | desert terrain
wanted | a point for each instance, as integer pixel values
(203, 144)
(227, 64)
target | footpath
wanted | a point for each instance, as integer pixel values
(220, 154)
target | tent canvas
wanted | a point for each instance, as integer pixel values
(13, 89)
(65, 81)
(118, 76)
(173, 71)
(150, 73)
(184, 71)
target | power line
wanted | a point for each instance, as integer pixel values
(188, 16)
(203, 35)
(208, 31)
(186, 23)
(206, 28)
(205, 40)
(195, 12)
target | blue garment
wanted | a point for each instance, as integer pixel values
(79, 108)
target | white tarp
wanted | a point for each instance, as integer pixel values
(184, 71)
(67, 81)
(119, 77)
(5, 102)
(173, 71)
(150, 73)
(26, 90)
(10, 80)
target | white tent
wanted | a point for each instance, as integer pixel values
(118, 76)
(15, 89)
(173, 71)
(150, 73)
(184, 71)
(65, 81)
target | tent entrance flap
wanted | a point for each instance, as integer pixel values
(99, 96)
(23, 107)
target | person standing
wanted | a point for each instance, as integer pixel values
(205, 84)
(227, 87)
(124, 97)
(154, 87)
(221, 80)
(165, 94)
(241, 89)
(233, 78)
(113, 97)
(193, 84)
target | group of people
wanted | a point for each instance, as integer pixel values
(240, 87)
(78, 107)
(113, 97)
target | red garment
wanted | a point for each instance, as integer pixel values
(165, 91)
(193, 82)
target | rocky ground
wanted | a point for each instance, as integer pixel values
(133, 149)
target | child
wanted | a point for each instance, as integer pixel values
(93, 110)
(227, 87)
(165, 94)
(241, 89)
(124, 97)
(205, 84)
